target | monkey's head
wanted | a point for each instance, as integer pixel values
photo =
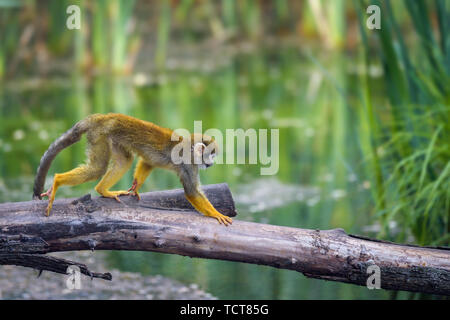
(204, 150)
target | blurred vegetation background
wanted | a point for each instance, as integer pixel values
(364, 115)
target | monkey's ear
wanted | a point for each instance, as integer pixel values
(198, 149)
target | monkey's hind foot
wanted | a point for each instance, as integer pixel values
(114, 194)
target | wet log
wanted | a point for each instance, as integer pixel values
(165, 222)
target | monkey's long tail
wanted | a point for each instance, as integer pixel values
(68, 138)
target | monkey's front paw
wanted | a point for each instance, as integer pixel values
(223, 219)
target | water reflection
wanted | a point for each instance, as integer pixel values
(264, 89)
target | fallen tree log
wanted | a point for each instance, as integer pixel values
(165, 222)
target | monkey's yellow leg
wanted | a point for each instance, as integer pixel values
(73, 177)
(121, 164)
(202, 204)
(140, 174)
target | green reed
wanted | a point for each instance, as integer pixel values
(410, 151)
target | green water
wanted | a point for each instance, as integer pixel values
(321, 182)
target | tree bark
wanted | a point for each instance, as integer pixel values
(165, 222)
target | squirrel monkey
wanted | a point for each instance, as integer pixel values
(117, 137)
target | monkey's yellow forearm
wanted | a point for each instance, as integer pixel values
(202, 204)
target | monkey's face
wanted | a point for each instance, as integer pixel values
(205, 153)
(208, 160)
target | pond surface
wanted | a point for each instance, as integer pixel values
(321, 183)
